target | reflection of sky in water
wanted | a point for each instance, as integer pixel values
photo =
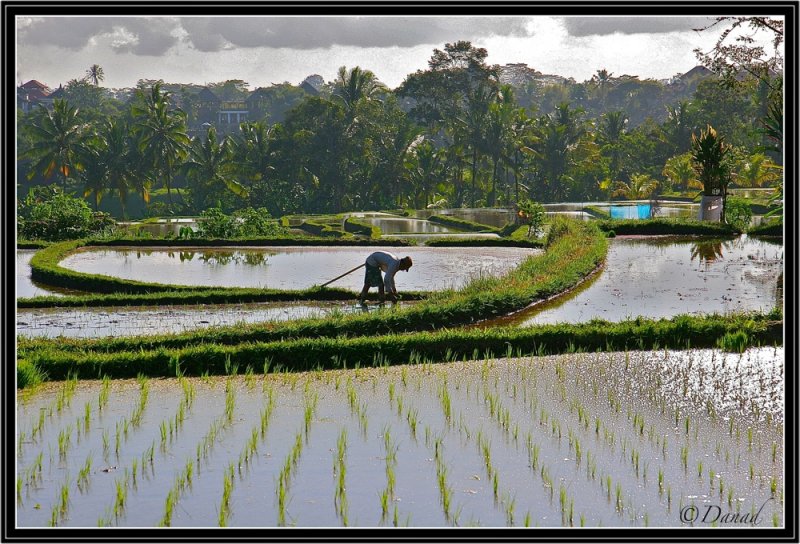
(131, 321)
(664, 277)
(25, 286)
(294, 267)
(530, 393)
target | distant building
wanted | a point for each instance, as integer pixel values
(313, 84)
(32, 93)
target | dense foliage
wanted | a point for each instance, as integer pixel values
(451, 135)
(49, 214)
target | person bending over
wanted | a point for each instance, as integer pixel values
(389, 264)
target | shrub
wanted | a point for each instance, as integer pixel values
(533, 215)
(244, 223)
(49, 214)
(738, 213)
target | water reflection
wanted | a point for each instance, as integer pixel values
(660, 278)
(707, 251)
(434, 268)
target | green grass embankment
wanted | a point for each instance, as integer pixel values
(664, 226)
(733, 333)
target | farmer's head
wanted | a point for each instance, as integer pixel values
(405, 263)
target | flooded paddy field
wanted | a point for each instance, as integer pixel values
(293, 267)
(657, 277)
(667, 439)
(131, 321)
(26, 287)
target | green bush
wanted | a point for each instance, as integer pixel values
(533, 215)
(49, 214)
(244, 223)
(738, 213)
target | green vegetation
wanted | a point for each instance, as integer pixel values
(93, 359)
(468, 140)
(462, 224)
(47, 213)
(245, 223)
(652, 227)
(770, 228)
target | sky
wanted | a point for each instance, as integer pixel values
(267, 50)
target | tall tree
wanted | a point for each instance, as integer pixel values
(354, 85)
(110, 165)
(737, 50)
(609, 136)
(95, 74)
(162, 134)
(208, 169)
(56, 139)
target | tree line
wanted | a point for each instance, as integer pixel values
(451, 135)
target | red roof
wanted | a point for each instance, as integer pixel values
(38, 85)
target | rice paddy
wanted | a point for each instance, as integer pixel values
(657, 439)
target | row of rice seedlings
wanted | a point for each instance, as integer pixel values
(390, 448)
(284, 479)
(445, 490)
(183, 480)
(61, 504)
(225, 503)
(444, 399)
(64, 441)
(203, 447)
(340, 476)
(83, 474)
(258, 432)
(357, 408)
(144, 389)
(62, 399)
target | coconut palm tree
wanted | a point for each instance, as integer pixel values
(679, 171)
(354, 85)
(641, 186)
(758, 170)
(609, 136)
(208, 168)
(162, 133)
(95, 74)
(109, 164)
(56, 140)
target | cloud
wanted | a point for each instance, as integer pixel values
(213, 34)
(149, 36)
(154, 36)
(592, 26)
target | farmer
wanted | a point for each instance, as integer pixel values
(389, 264)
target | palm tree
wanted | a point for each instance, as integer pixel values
(162, 133)
(208, 167)
(641, 186)
(109, 167)
(497, 136)
(610, 133)
(679, 171)
(95, 74)
(602, 81)
(56, 138)
(710, 156)
(473, 127)
(355, 85)
(758, 170)
(424, 165)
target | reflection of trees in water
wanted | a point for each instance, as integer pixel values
(225, 257)
(708, 251)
